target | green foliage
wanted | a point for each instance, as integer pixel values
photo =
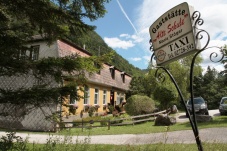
(138, 104)
(12, 142)
(143, 85)
(110, 108)
(20, 21)
(165, 94)
(91, 111)
(211, 86)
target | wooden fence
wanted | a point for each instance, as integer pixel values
(116, 122)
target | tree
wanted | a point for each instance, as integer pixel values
(21, 20)
(166, 94)
(211, 87)
(52, 19)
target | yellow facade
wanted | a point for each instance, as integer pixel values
(91, 100)
(110, 79)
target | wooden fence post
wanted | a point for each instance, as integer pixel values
(82, 125)
(109, 124)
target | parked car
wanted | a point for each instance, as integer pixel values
(223, 106)
(200, 106)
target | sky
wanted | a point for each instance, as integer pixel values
(125, 27)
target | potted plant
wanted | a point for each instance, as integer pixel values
(105, 106)
(86, 107)
(96, 107)
(73, 108)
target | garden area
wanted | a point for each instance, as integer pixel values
(68, 142)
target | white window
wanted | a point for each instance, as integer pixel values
(34, 55)
(104, 97)
(96, 96)
(118, 98)
(86, 95)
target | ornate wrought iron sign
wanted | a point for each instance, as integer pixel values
(172, 34)
(175, 35)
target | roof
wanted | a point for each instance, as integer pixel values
(41, 38)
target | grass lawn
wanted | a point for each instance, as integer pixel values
(148, 127)
(145, 128)
(148, 147)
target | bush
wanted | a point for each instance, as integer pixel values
(110, 108)
(137, 105)
(91, 111)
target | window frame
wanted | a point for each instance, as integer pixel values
(34, 53)
(96, 96)
(104, 99)
(123, 77)
(86, 95)
(112, 72)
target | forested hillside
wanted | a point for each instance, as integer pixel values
(96, 45)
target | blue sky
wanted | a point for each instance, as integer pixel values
(125, 27)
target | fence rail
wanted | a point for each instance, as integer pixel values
(108, 123)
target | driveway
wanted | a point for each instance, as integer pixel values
(181, 117)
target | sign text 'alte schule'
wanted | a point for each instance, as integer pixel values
(172, 34)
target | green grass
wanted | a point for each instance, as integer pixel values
(148, 147)
(145, 128)
(67, 145)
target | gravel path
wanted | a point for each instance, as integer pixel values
(212, 135)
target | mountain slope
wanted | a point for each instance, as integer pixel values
(96, 45)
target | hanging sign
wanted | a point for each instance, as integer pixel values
(172, 34)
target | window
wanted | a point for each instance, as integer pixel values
(72, 98)
(118, 98)
(23, 55)
(34, 54)
(123, 77)
(96, 96)
(104, 97)
(98, 67)
(112, 72)
(86, 95)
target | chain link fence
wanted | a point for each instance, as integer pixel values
(42, 117)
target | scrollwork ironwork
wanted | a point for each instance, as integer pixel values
(214, 55)
(196, 18)
(151, 47)
(160, 76)
(199, 36)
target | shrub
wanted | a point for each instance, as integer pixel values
(12, 142)
(137, 105)
(110, 108)
(91, 111)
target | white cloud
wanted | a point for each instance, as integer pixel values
(125, 41)
(147, 58)
(118, 43)
(125, 35)
(135, 59)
